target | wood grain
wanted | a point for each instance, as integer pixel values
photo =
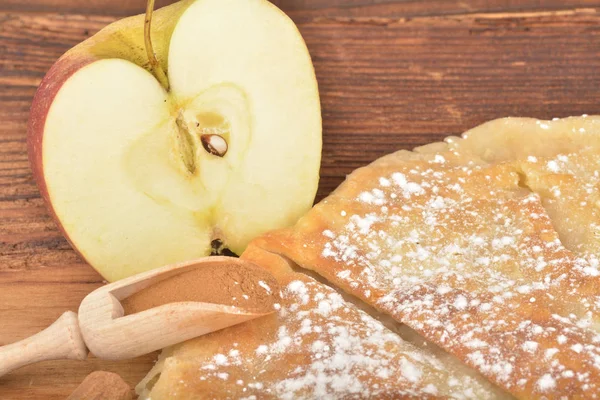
(392, 75)
(313, 8)
(29, 302)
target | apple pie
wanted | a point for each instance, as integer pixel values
(317, 346)
(484, 245)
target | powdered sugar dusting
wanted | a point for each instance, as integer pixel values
(488, 248)
(458, 243)
(329, 349)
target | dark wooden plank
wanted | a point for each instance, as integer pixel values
(303, 9)
(386, 83)
(308, 9)
(103, 7)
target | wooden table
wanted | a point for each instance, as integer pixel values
(392, 75)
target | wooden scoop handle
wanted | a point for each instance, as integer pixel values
(61, 340)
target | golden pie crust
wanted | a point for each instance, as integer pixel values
(486, 245)
(317, 346)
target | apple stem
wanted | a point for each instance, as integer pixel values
(154, 64)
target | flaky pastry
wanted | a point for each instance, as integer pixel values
(317, 346)
(485, 245)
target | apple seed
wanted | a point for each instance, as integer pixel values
(214, 144)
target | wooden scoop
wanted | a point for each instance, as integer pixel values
(103, 328)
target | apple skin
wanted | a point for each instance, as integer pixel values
(114, 41)
(44, 96)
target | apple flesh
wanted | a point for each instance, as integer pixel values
(138, 176)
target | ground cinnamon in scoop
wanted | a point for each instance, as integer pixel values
(246, 287)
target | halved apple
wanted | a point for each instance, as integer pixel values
(138, 176)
